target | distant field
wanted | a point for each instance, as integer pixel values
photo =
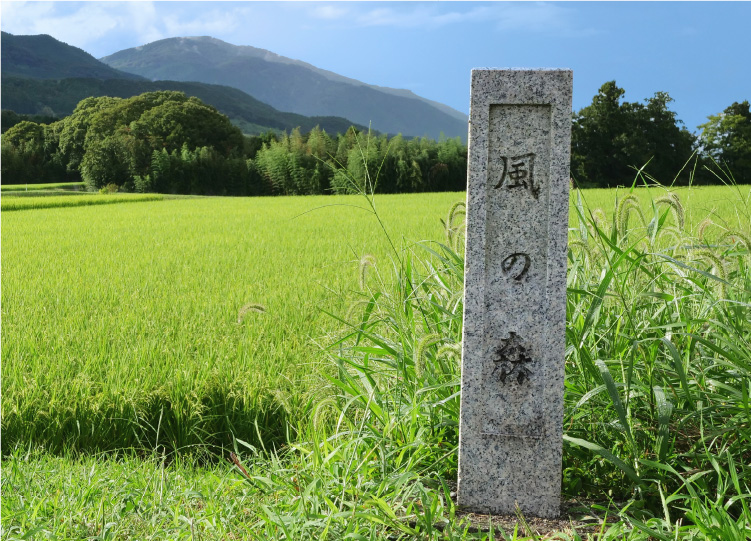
(120, 322)
(10, 202)
(49, 186)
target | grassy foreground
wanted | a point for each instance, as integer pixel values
(658, 422)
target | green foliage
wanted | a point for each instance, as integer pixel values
(350, 163)
(122, 138)
(26, 136)
(726, 139)
(610, 139)
(29, 154)
(73, 129)
(11, 118)
(169, 143)
(109, 188)
(199, 171)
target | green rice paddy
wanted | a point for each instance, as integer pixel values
(43, 187)
(41, 200)
(139, 340)
(120, 323)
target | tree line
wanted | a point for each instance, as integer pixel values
(168, 142)
(611, 139)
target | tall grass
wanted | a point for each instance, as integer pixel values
(657, 420)
(658, 369)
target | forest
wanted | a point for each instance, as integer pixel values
(168, 142)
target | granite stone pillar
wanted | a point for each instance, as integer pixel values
(510, 435)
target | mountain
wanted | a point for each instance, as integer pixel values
(43, 75)
(289, 85)
(33, 96)
(44, 57)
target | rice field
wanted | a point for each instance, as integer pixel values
(42, 199)
(728, 206)
(139, 340)
(120, 323)
(43, 186)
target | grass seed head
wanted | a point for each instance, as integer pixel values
(422, 345)
(250, 307)
(674, 202)
(366, 261)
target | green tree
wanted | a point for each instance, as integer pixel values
(113, 141)
(174, 123)
(597, 137)
(9, 118)
(106, 162)
(610, 139)
(26, 135)
(75, 129)
(658, 137)
(726, 139)
(273, 164)
(28, 154)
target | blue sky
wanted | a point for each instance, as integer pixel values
(698, 52)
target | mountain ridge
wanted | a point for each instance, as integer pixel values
(24, 95)
(31, 86)
(290, 85)
(250, 50)
(29, 56)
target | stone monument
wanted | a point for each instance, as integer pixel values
(510, 428)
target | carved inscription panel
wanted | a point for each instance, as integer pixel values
(515, 267)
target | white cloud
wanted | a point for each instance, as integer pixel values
(532, 16)
(81, 24)
(328, 12)
(102, 27)
(507, 16)
(42, 18)
(142, 18)
(206, 24)
(24, 13)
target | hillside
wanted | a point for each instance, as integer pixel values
(44, 57)
(43, 75)
(29, 96)
(289, 85)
